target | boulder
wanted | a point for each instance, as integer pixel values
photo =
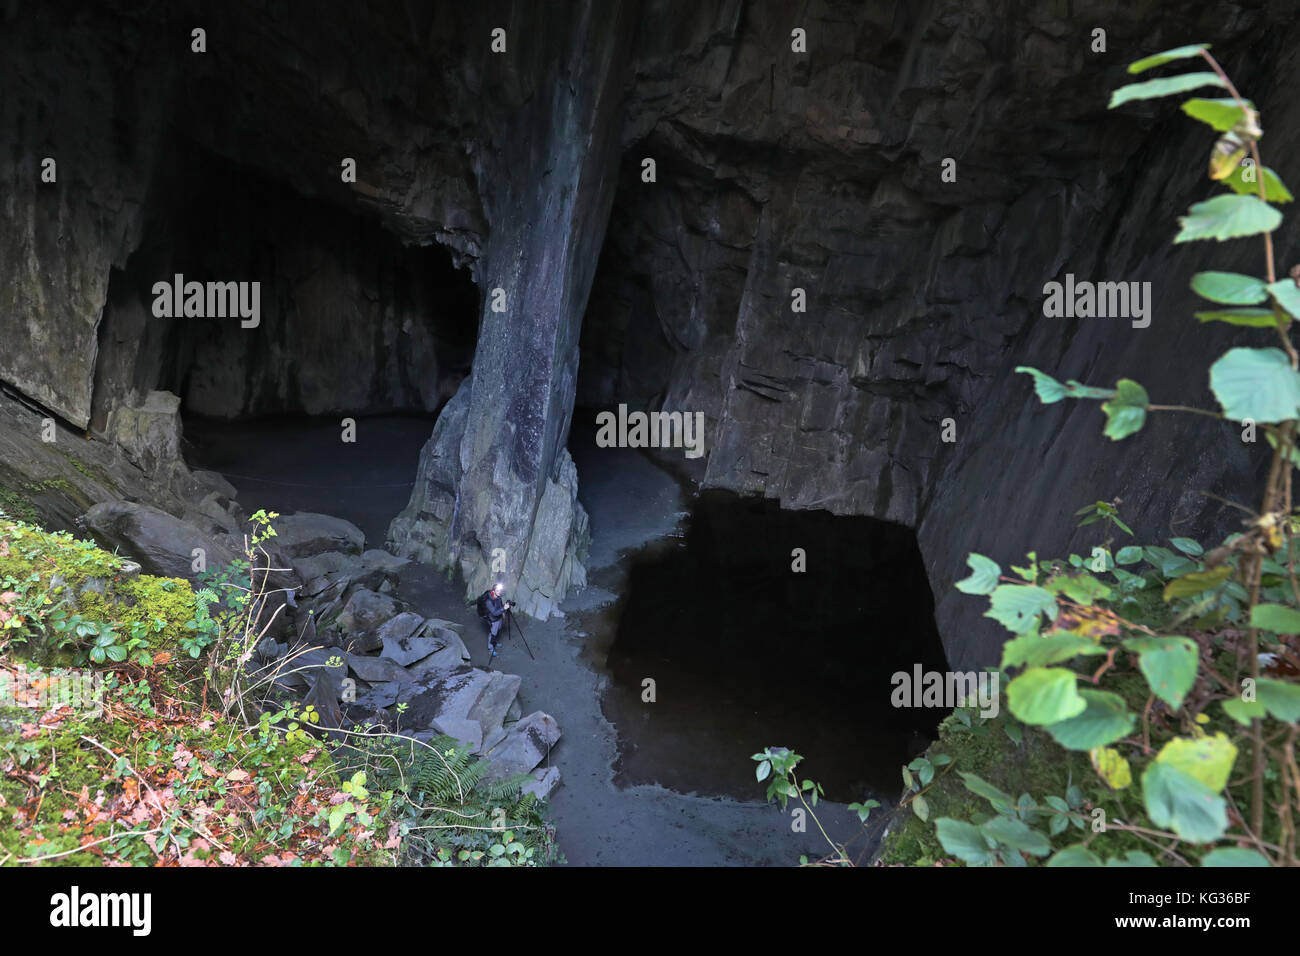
(377, 670)
(362, 618)
(304, 533)
(322, 697)
(162, 544)
(494, 703)
(544, 782)
(430, 646)
(314, 666)
(397, 637)
(444, 694)
(527, 744)
(492, 739)
(468, 732)
(373, 570)
(381, 696)
(149, 433)
(452, 655)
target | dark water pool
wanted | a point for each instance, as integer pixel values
(745, 652)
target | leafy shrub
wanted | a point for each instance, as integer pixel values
(1196, 646)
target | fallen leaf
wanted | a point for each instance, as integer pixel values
(182, 757)
(237, 775)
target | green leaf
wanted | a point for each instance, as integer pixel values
(1045, 695)
(921, 808)
(1286, 294)
(1228, 217)
(1049, 389)
(1104, 720)
(1017, 606)
(1039, 651)
(1111, 767)
(1188, 546)
(1244, 711)
(1080, 588)
(1277, 618)
(978, 785)
(1208, 759)
(1159, 59)
(1077, 855)
(1246, 318)
(1274, 189)
(1281, 699)
(763, 770)
(1229, 288)
(1165, 86)
(1130, 554)
(1258, 384)
(964, 841)
(1126, 413)
(1196, 582)
(1221, 114)
(1169, 664)
(1017, 835)
(924, 769)
(1234, 856)
(983, 578)
(1179, 801)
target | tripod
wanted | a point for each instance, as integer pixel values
(511, 623)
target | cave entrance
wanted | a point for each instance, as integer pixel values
(747, 653)
(352, 325)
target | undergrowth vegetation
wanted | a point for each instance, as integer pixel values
(135, 728)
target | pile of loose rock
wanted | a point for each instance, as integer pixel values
(341, 641)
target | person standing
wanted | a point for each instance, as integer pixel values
(492, 607)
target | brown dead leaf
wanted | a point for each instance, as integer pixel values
(238, 776)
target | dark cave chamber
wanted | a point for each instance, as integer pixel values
(353, 326)
(746, 652)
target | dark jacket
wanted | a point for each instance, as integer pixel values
(493, 605)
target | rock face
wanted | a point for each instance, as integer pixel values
(798, 270)
(161, 543)
(498, 478)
